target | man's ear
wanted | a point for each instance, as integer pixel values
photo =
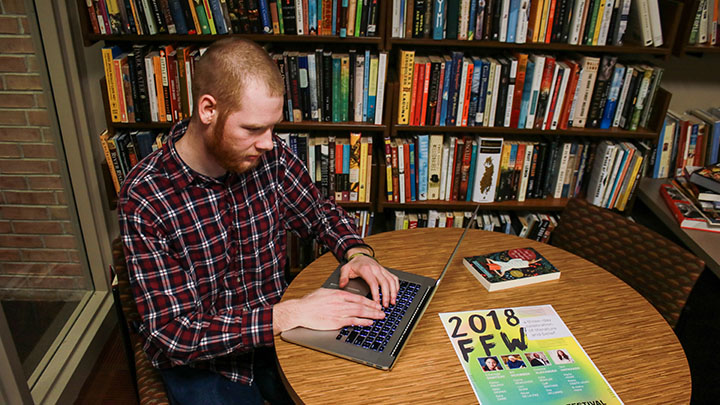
(207, 109)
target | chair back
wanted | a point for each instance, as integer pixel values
(150, 386)
(661, 271)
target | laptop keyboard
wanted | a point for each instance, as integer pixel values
(376, 336)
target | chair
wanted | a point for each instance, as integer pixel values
(661, 271)
(149, 383)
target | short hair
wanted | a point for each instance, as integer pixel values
(226, 68)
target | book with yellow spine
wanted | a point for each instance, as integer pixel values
(108, 54)
(354, 174)
(407, 62)
(363, 170)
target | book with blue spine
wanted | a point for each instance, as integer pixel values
(346, 170)
(372, 87)
(334, 17)
(611, 104)
(413, 188)
(177, 14)
(512, 20)
(219, 20)
(475, 90)
(525, 102)
(336, 99)
(366, 80)
(454, 88)
(422, 165)
(265, 20)
(659, 150)
(482, 99)
(313, 16)
(438, 24)
(471, 174)
(343, 30)
(471, 25)
(446, 90)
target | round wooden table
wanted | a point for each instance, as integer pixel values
(626, 338)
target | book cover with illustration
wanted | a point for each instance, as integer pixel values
(511, 268)
(525, 355)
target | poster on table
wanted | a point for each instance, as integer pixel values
(525, 355)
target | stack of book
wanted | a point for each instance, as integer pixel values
(576, 22)
(532, 225)
(484, 169)
(333, 87)
(354, 18)
(704, 29)
(694, 198)
(125, 149)
(690, 139)
(341, 168)
(530, 91)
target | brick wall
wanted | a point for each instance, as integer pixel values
(38, 252)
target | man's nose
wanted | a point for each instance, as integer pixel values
(265, 142)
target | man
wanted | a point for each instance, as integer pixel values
(203, 223)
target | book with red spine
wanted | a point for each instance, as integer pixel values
(569, 93)
(522, 59)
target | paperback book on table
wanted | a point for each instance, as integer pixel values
(511, 268)
(525, 355)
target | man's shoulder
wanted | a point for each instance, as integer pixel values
(146, 178)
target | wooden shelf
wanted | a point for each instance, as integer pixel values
(283, 126)
(262, 38)
(330, 126)
(556, 47)
(641, 133)
(546, 204)
(350, 205)
(695, 49)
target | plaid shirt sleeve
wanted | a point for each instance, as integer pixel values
(311, 215)
(168, 298)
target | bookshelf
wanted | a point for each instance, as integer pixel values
(672, 22)
(682, 44)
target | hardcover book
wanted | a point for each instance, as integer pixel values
(685, 213)
(511, 268)
(708, 177)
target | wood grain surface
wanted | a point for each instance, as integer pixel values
(632, 346)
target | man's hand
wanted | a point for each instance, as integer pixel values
(326, 309)
(374, 275)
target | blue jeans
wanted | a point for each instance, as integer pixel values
(187, 385)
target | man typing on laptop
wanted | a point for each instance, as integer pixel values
(203, 222)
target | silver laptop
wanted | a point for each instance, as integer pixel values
(378, 345)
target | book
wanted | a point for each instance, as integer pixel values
(487, 169)
(520, 348)
(511, 268)
(684, 211)
(707, 177)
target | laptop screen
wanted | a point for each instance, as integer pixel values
(457, 245)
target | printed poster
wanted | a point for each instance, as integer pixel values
(525, 355)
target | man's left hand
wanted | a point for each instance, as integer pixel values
(375, 275)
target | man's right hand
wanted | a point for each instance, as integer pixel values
(326, 309)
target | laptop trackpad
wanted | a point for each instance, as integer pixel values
(358, 286)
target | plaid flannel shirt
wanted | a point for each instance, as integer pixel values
(206, 256)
